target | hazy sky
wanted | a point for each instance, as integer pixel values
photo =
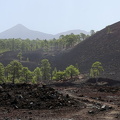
(54, 16)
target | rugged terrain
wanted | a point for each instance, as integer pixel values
(61, 100)
(104, 46)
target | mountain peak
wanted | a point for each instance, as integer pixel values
(20, 31)
(20, 26)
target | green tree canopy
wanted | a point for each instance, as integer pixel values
(54, 71)
(59, 75)
(37, 74)
(2, 73)
(83, 36)
(45, 69)
(19, 56)
(71, 71)
(92, 32)
(96, 69)
(14, 69)
(26, 75)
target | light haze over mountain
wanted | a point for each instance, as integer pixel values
(20, 31)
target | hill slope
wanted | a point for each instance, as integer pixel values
(104, 46)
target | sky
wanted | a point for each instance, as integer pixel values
(55, 16)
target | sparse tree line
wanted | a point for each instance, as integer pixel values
(64, 42)
(15, 72)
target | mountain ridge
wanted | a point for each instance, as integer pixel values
(20, 31)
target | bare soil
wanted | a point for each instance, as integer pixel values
(74, 100)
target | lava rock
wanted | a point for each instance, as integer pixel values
(27, 96)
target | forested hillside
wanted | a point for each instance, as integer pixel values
(64, 42)
(32, 51)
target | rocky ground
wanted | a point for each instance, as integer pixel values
(61, 100)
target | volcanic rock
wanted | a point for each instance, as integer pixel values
(27, 96)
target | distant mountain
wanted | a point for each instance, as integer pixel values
(20, 31)
(76, 32)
